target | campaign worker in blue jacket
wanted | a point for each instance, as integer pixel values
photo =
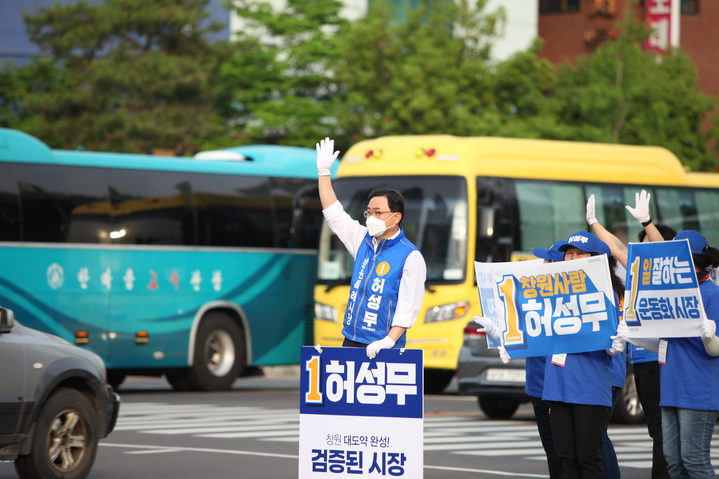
(645, 362)
(689, 376)
(579, 387)
(387, 285)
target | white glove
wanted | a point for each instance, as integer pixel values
(490, 327)
(326, 156)
(618, 342)
(709, 329)
(373, 348)
(622, 330)
(591, 216)
(504, 355)
(641, 210)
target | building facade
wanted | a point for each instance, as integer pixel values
(574, 27)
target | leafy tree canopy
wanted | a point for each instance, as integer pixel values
(135, 76)
(131, 75)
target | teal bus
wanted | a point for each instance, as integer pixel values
(197, 269)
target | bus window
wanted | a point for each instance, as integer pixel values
(304, 218)
(435, 219)
(708, 208)
(611, 211)
(151, 207)
(234, 211)
(549, 211)
(677, 208)
(50, 195)
(9, 204)
(497, 230)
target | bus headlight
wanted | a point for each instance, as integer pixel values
(325, 312)
(446, 312)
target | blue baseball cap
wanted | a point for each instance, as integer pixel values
(698, 244)
(586, 242)
(551, 254)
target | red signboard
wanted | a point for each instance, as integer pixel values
(659, 19)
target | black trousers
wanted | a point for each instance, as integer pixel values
(577, 431)
(348, 343)
(646, 378)
(544, 425)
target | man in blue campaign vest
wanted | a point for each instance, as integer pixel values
(387, 285)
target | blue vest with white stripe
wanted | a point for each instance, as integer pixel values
(374, 289)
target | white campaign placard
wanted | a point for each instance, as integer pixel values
(361, 417)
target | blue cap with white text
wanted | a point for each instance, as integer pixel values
(586, 242)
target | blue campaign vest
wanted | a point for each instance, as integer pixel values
(374, 289)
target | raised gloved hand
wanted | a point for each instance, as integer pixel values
(490, 327)
(373, 348)
(641, 209)
(504, 355)
(618, 341)
(590, 215)
(709, 328)
(326, 156)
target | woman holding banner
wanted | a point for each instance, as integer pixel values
(646, 367)
(534, 385)
(579, 386)
(689, 376)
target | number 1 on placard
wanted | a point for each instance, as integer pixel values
(506, 290)
(313, 395)
(631, 314)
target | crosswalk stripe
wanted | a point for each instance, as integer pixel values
(458, 434)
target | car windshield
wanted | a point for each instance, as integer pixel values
(435, 219)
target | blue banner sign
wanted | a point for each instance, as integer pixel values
(662, 297)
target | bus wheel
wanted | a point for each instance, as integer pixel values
(219, 354)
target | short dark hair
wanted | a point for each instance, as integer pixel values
(395, 200)
(667, 232)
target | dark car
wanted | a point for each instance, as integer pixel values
(499, 387)
(55, 403)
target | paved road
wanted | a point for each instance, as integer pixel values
(253, 432)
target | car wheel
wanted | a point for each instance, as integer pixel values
(219, 354)
(628, 409)
(436, 380)
(497, 408)
(65, 439)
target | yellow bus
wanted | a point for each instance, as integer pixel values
(496, 199)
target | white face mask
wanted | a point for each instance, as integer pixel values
(375, 226)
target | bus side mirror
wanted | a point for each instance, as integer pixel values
(486, 222)
(7, 320)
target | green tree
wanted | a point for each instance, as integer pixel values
(429, 74)
(623, 94)
(281, 88)
(137, 75)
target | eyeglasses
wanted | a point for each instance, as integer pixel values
(375, 213)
